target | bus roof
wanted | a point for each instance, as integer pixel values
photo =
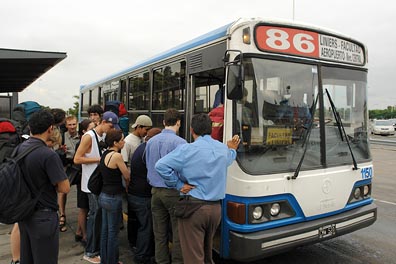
(196, 42)
(210, 37)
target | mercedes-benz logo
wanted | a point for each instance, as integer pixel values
(326, 186)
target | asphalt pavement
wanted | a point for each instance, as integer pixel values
(70, 252)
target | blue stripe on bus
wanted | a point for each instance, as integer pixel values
(299, 216)
(228, 225)
(206, 38)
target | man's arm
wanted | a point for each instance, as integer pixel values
(123, 168)
(234, 142)
(125, 152)
(63, 186)
(232, 145)
(84, 147)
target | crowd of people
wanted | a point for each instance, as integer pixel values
(153, 169)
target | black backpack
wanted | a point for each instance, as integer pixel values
(18, 195)
(16, 130)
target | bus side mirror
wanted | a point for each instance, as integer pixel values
(235, 81)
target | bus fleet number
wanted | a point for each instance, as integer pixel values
(280, 39)
(367, 173)
(288, 40)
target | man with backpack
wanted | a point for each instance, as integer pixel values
(39, 232)
(13, 132)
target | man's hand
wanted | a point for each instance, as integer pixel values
(234, 142)
(186, 188)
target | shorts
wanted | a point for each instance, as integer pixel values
(82, 198)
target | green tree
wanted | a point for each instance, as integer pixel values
(387, 113)
(76, 105)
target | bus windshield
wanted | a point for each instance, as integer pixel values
(278, 119)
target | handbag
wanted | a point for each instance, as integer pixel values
(62, 155)
(95, 182)
(185, 207)
(74, 173)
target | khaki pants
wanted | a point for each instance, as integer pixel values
(164, 224)
(196, 234)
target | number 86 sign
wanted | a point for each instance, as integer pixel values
(308, 44)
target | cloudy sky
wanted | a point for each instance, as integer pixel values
(102, 37)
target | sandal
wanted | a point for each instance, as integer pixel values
(62, 223)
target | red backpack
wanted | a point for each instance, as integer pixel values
(116, 107)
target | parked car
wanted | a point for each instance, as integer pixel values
(393, 123)
(382, 127)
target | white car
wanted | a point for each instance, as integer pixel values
(382, 127)
(393, 121)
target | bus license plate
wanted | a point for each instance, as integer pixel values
(327, 231)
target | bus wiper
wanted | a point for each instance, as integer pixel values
(305, 145)
(341, 129)
(336, 116)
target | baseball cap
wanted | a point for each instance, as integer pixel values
(143, 120)
(112, 118)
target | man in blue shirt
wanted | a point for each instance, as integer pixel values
(199, 170)
(163, 197)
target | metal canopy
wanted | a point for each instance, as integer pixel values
(20, 68)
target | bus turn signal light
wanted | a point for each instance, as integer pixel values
(236, 212)
(246, 35)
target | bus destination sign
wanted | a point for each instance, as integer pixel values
(308, 44)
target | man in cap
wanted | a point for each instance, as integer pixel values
(139, 203)
(88, 154)
(142, 124)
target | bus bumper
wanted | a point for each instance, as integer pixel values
(257, 245)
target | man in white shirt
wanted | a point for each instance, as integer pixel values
(142, 124)
(88, 154)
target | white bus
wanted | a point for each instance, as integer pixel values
(297, 96)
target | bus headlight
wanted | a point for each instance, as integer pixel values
(275, 209)
(360, 193)
(356, 193)
(257, 212)
(269, 211)
(366, 190)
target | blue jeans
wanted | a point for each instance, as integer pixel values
(93, 227)
(111, 217)
(145, 237)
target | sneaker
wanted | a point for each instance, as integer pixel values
(15, 262)
(95, 259)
